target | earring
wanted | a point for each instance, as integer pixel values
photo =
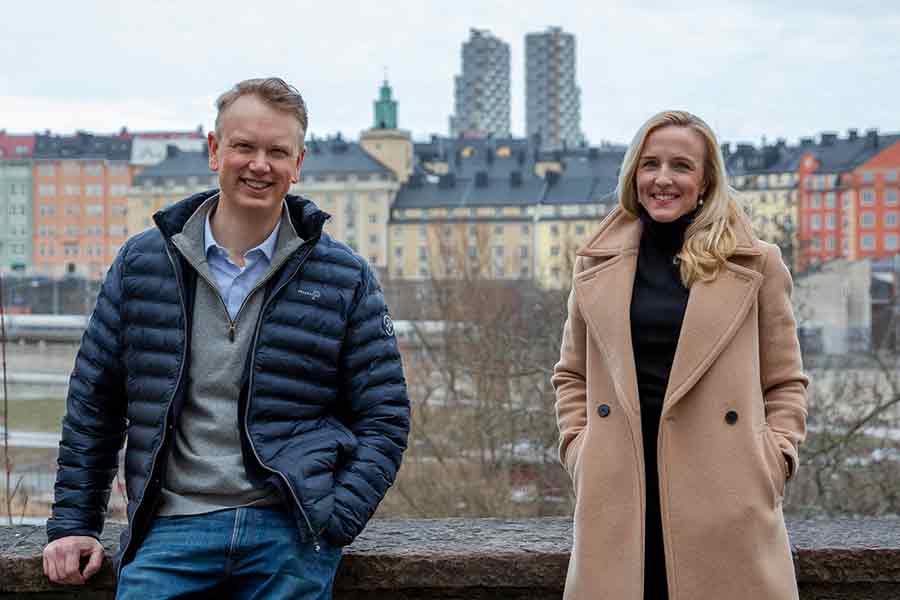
(700, 202)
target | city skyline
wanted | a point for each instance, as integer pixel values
(751, 69)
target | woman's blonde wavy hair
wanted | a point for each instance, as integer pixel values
(710, 240)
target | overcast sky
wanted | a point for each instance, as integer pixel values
(750, 68)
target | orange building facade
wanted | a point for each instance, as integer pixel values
(876, 206)
(80, 215)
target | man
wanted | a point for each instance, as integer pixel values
(250, 359)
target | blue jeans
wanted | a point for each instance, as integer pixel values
(236, 553)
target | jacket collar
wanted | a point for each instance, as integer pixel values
(620, 232)
(305, 216)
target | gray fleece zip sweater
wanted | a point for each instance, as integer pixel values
(205, 471)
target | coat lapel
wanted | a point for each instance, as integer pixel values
(715, 311)
(603, 292)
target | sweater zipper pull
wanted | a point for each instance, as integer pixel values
(231, 331)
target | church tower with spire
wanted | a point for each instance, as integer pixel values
(385, 108)
(389, 145)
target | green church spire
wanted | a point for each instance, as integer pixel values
(385, 108)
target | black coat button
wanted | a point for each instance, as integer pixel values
(603, 410)
(731, 417)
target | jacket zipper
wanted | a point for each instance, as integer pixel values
(232, 323)
(153, 463)
(284, 478)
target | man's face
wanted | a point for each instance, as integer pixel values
(256, 153)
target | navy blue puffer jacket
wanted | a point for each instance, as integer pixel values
(324, 414)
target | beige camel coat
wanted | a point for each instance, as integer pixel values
(733, 415)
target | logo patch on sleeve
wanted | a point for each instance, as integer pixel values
(387, 324)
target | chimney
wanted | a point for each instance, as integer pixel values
(872, 137)
(806, 142)
(447, 181)
(852, 134)
(828, 138)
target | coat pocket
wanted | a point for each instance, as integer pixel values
(573, 453)
(775, 462)
(346, 441)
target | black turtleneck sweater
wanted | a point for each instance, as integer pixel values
(658, 303)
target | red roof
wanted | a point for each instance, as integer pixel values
(16, 146)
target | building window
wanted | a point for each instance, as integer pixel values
(473, 252)
(373, 219)
(815, 222)
(890, 241)
(373, 239)
(829, 221)
(93, 169)
(398, 252)
(498, 230)
(498, 211)
(525, 229)
(829, 200)
(830, 243)
(868, 177)
(868, 197)
(816, 244)
(868, 242)
(815, 200)
(47, 189)
(72, 190)
(93, 210)
(423, 253)
(498, 251)
(423, 233)
(554, 230)
(890, 176)
(890, 219)
(46, 170)
(71, 168)
(523, 251)
(890, 197)
(867, 220)
(579, 230)
(554, 250)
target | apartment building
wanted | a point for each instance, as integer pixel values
(498, 209)
(80, 185)
(482, 89)
(552, 96)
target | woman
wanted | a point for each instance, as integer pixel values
(680, 394)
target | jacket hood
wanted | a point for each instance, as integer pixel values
(305, 216)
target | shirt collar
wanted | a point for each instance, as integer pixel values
(267, 246)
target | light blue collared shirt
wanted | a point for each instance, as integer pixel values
(235, 283)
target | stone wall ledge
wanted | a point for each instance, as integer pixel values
(835, 559)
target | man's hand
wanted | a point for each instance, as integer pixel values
(62, 559)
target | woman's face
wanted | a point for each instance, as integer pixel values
(669, 176)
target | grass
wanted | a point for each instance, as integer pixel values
(42, 414)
